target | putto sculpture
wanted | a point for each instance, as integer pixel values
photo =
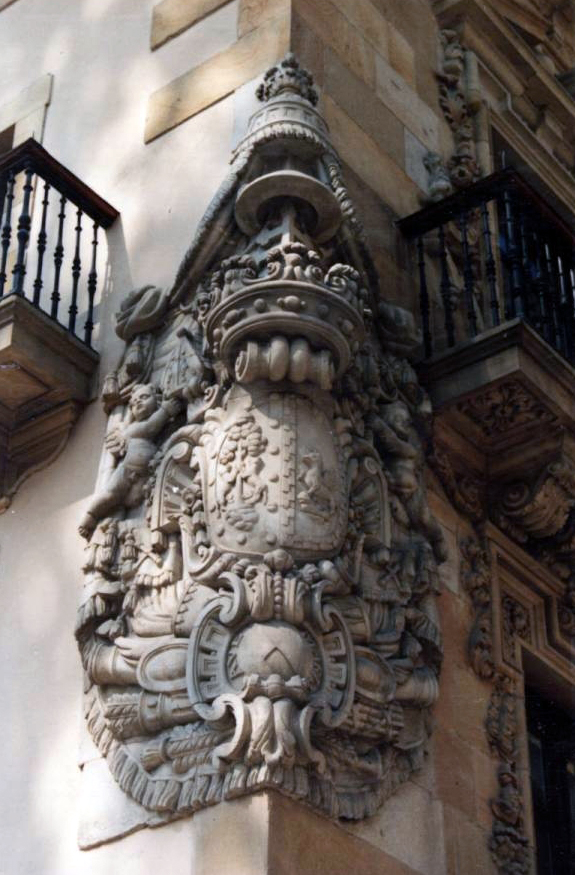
(258, 608)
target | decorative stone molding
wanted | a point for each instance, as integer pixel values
(462, 167)
(465, 491)
(508, 843)
(515, 623)
(262, 563)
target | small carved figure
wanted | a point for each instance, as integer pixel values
(317, 499)
(403, 457)
(135, 445)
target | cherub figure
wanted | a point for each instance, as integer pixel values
(133, 446)
(403, 458)
(317, 498)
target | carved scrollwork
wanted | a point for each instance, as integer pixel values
(262, 562)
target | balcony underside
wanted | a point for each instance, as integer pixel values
(45, 380)
(505, 436)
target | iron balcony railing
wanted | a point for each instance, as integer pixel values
(45, 254)
(492, 252)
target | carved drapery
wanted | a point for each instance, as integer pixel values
(258, 606)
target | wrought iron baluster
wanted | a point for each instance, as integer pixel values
(526, 273)
(553, 297)
(567, 270)
(41, 246)
(6, 229)
(92, 283)
(490, 266)
(424, 299)
(468, 276)
(542, 286)
(58, 258)
(556, 294)
(23, 234)
(515, 305)
(565, 307)
(76, 269)
(446, 289)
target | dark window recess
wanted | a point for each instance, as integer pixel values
(552, 760)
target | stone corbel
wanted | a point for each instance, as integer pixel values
(538, 507)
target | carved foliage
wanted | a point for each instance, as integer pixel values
(476, 577)
(508, 843)
(462, 166)
(503, 408)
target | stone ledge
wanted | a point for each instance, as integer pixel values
(170, 18)
(304, 842)
(216, 78)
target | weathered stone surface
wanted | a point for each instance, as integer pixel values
(105, 813)
(364, 107)
(216, 78)
(402, 56)
(337, 32)
(421, 849)
(302, 842)
(253, 13)
(375, 167)
(172, 17)
(415, 155)
(262, 562)
(406, 104)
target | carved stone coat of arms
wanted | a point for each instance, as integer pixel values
(261, 564)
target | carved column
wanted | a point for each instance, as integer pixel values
(261, 567)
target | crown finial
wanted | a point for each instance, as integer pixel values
(287, 75)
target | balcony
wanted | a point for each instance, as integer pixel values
(51, 241)
(496, 268)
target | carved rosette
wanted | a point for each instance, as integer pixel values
(258, 607)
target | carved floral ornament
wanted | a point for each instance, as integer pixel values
(261, 567)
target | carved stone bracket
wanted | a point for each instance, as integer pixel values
(262, 562)
(515, 623)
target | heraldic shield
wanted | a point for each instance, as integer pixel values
(261, 561)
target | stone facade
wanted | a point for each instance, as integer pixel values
(315, 572)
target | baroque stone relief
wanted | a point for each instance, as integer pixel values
(462, 167)
(261, 561)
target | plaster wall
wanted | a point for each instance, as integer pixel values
(104, 72)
